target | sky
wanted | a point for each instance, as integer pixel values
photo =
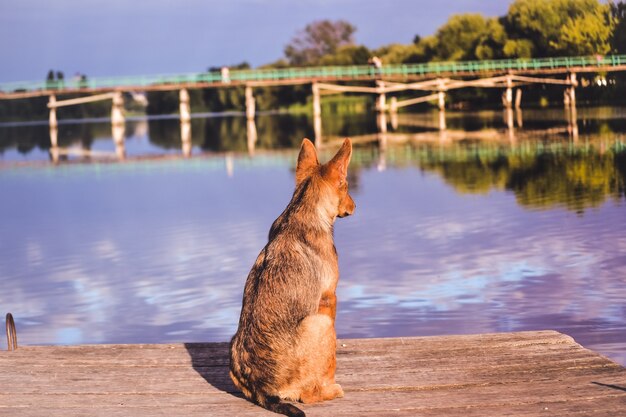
(102, 38)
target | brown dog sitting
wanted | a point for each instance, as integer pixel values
(284, 348)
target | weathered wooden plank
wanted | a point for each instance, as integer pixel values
(89, 379)
(525, 374)
(36, 357)
(519, 396)
(433, 347)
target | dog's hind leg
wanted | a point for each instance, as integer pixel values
(316, 353)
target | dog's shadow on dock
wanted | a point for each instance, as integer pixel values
(210, 360)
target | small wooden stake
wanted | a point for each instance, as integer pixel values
(11, 333)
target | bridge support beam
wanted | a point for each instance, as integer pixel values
(251, 136)
(317, 114)
(507, 98)
(317, 105)
(518, 98)
(570, 106)
(53, 112)
(117, 131)
(54, 144)
(393, 112)
(185, 138)
(54, 132)
(508, 118)
(185, 109)
(393, 105)
(441, 102)
(572, 89)
(250, 103)
(381, 102)
(569, 95)
(117, 110)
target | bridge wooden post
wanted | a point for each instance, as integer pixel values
(317, 106)
(185, 137)
(393, 112)
(508, 93)
(54, 144)
(381, 103)
(117, 109)
(117, 131)
(570, 106)
(441, 102)
(250, 104)
(518, 117)
(53, 112)
(518, 98)
(508, 116)
(317, 113)
(54, 132)
(393, 105)
(185, 110)
(54, 137)
(381, 122)
(572, 89)
(252, 136)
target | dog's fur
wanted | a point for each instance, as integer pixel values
(284, 348)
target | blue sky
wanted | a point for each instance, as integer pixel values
(120, 37)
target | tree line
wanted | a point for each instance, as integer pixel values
(530, 29)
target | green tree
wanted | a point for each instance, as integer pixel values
(470, 36)
(618, 40)
(320, 38)
(560, 27)
(396, 53)
(518, 48)
(347, 55)
(491, 42)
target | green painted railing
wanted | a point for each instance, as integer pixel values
(325, 73)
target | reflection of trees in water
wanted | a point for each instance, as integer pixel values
(165, 133)
(224, 134)
(229, 134)
(24, 140)
(573, 178)
(27, 138)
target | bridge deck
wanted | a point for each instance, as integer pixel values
(304, 75)
(520, 374)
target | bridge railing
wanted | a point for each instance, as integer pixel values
(322, 73)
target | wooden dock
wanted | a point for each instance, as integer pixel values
(512, 374)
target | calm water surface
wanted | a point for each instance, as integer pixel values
(449, 236)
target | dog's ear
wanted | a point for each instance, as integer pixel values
(307, 160)
(338, 166)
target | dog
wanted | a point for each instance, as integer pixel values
(285, 345)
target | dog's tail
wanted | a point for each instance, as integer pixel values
(273, 403)
(269, 402)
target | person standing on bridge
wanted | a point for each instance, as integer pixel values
(377, 63)
(225, 75)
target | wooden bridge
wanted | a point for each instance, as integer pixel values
(307, 75)
(434, 79)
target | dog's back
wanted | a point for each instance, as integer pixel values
(284, 347)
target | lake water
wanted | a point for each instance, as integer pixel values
(479, 230)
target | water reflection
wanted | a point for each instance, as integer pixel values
(185, 137)
(235, 133)
(455, 232)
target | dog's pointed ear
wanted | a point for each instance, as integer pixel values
(307, 160)
(339, 164)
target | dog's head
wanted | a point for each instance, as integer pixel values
(333, 175)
